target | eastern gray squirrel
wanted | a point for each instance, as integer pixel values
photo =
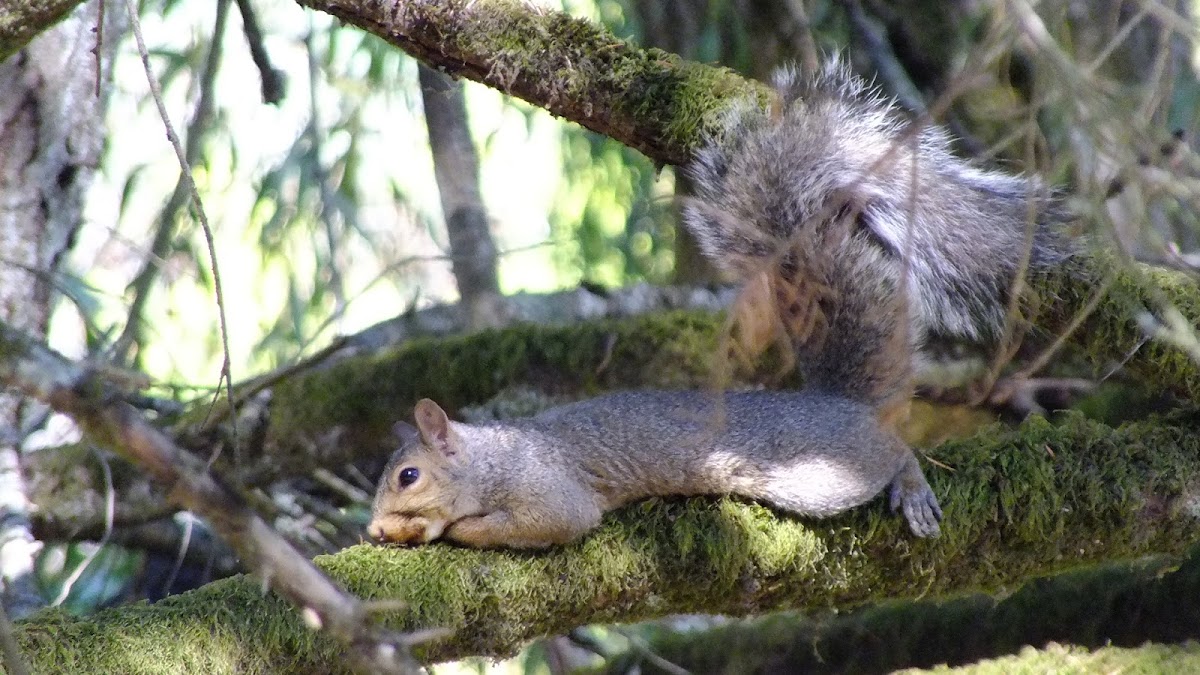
(812, 205)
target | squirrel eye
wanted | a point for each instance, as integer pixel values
(408, 476)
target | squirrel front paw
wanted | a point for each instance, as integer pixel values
(409, 530)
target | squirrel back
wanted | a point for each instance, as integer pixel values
(833, 153)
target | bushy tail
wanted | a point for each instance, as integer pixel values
(836, 196)
(783, 205)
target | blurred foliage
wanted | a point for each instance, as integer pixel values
(338, 222)
(614, 214)
(85, 576)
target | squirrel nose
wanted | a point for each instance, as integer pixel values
(375, 531)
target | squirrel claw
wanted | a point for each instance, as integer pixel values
(920, 507)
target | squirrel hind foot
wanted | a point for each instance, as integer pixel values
(911, 494)
(920, 508)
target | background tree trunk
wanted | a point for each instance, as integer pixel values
(456, 167)
(51, 138)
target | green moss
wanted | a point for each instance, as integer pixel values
(1088, 607)
(22, 20)
(170, 636)
(672, 102)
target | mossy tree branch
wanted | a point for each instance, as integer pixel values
(651, 100)
(22, 20)
(1019, 504)
(1123, 603)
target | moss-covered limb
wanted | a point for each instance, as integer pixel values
(1121, 603)
(1019, 504)
(648, 99)
(22, 20)
(1110, 336)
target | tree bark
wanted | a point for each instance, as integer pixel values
(456, 168)
(51, 137)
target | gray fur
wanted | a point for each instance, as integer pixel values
(836, 143)
(551, 477)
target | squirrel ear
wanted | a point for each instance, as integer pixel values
(434, 425)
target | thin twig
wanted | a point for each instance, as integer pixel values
(164, 231)
(197, 203)
(97, 48)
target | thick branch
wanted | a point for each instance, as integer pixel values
(22, 20)
(648, 99)
(1019, 504)
(1124, 604)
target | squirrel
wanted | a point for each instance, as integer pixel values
(861, 241)
(546, 479)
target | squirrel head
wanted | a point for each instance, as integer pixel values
(417, 494)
